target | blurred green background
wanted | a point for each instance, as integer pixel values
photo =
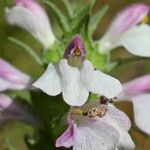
(14, 131)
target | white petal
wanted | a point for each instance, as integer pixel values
(37, 25)
(120, 117)
(125, 141)
(141, 106)
(4, 85)
(5, 101)
(87, 72)
(95, 134)
(86, 139)
(11, 77)
(105, 85)
(137, 40)
(74, 93)
(49, 82)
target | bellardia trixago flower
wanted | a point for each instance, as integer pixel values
(97, 127)
(12, 78)
(138, 92)
(29, 15)
(126, 31)
(75, 77)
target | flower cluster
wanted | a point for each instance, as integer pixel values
(91, 125)
(11, 78)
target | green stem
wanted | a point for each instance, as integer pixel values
(29, 50)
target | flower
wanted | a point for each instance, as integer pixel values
(106, 131)
(29, 15)
(75, 77)
(13, 110)
(138, 92)
(126, 31)
(12, 78)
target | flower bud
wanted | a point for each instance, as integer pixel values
(75, 53)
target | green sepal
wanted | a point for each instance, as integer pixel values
(55, 53)
(98, 60)
(109, 67)
(93, 97)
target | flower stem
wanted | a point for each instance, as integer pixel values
(29, 50)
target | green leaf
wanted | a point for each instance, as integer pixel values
(60, 17)
(28, 49)
(10, 146)
(68, 7)
(52, 111)
(96, 19)
(80, 17)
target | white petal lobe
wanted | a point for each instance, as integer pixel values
(141, 107)
(137, 40)
(74, 92)
(105, 85)
(49, 82)
(38, 26)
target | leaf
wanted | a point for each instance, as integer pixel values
(10, 146)
(60, 17)
(96, 19)
(51, 110)
(68, 7)
(28, 49)
(80, 17)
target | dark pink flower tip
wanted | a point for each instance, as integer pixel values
(75, 48)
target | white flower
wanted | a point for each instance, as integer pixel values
(125, 31)
(99, 133)
(75, 83)
(29, 15)
(138, 92)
